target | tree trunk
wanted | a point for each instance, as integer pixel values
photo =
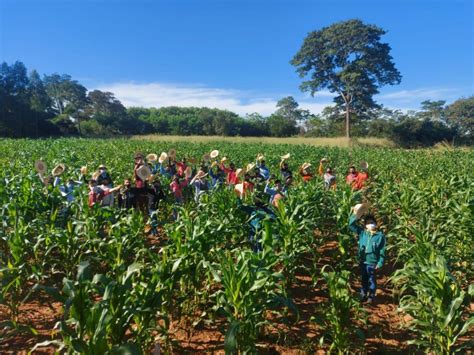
(348, 116)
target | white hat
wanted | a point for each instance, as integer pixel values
(305, 166)
(58, 169)
(239, 188)
(152, 157)
(41, 167)
(361, 208)
(144, 172)
(250, 166)
(286, 156)
(162, 157)
(223, 159)
(239, 172)
(214, 154)
(364, 165)
(260, 157)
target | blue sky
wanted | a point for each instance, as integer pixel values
(232, 54)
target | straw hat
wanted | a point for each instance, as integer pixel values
(143, 172)
(162, 157)
(223, 159)
(239, 172)
(152, 157)
(84, 170)
(41, 167)
(250, 166)
(305, 166)
(214, 154)
(286, 156)
(200, 174)
(188, 172)
(213, 164)
(192, 160)
(102, 166)
(58, 169)
(324, 160)
(239, 188)
(172, 153)
(96, 174)
(364, 165)
(360, 209)
(260, 157)
(206, 157)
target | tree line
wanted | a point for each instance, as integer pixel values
(58, 105)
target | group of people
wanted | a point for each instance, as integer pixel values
(146, 189)
(267, 189)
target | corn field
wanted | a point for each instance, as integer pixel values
(122, 289)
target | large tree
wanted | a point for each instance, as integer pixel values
(349, 60)
(460, 114)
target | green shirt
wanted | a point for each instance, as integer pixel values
(371, 246)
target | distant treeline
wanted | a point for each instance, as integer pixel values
(57, 105)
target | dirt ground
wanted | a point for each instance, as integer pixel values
(384, 332)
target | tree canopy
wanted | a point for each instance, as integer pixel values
(349, 59)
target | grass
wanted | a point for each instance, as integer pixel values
(328, 142)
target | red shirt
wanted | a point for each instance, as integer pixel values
(360, 181)
(177, 188)
(232, 178)
(181, 168)
(95, 196)
(139, 183)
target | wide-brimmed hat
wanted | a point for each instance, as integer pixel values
(305, 166)
(364, 165)
(214, 154)
(162, 157)
(361, 208)
(239, 188)
(102, 166)
(58, 169)
(172, 153)
(188, 172)
(144, 172)
(41, 167)
(83, 170)
(239, 172)
(260, 157)
(96, 175)
(324, 160)
(286, 156)
(152, 157)
(200, 174)
(250, 166)
(223, 159)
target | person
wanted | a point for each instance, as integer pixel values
(362, 178)
(104, 177)
(276, 193)
(371, 253)
(263, 170)
(217, 177)
(248, 184)
(232, 178)
(96, 193)
(328, 176)
(285, 170)
(201, 185)
(258, 213)
(141, 194)
(181, 167)
(305, 173)
(126, 195)
(176, 187)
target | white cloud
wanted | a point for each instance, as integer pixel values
(418, 95)
(160, 94)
